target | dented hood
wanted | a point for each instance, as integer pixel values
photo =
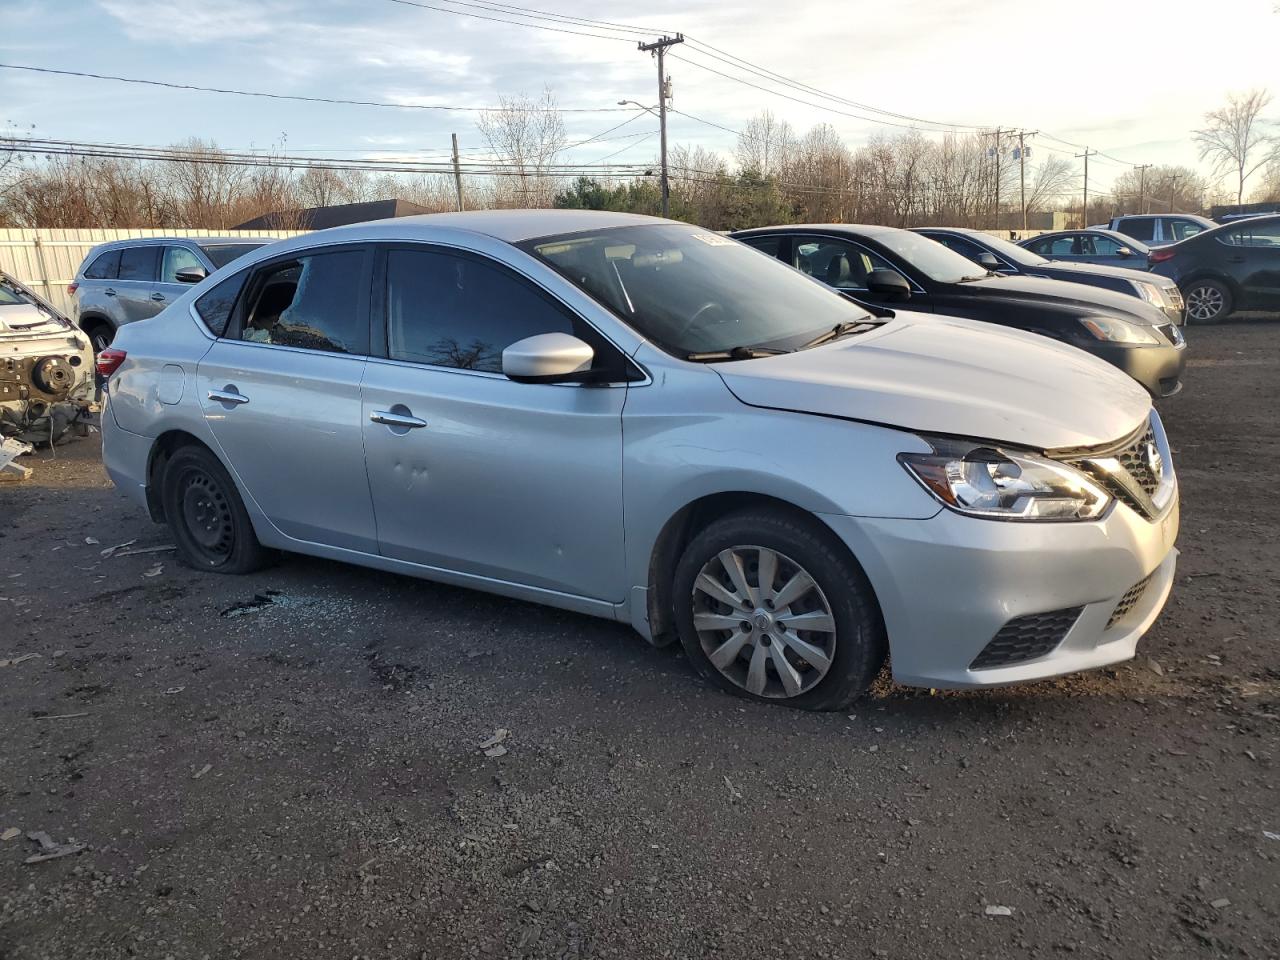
(951, 376)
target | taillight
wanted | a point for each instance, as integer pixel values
(1161, 254)
(72, 288)
(109, 361)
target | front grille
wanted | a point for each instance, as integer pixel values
(1130, 473)
(1129, 600)
(1172, 333)
(1026, 638)
(1174, 295)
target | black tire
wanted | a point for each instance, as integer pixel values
(100, 336)
(210, 525)
(860, 645)
(1206, 295)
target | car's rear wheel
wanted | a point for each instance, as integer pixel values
(770, 606)
(210, 525)
(1208, 301)
(100, 336)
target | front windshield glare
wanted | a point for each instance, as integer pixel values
(930, 257)
(1011, 251)
(692, 291)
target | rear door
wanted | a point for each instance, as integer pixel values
(475, 473)
(281, 394)
(1253, 260)
(135, 288)
(1100, 248)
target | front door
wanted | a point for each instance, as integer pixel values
(281, 393)
(135, 284)
(476, 473)
(1253, 259)
(168, 287)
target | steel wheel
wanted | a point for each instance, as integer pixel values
(1206, 302)
(207, 515)
(210, 525)
(763, 622)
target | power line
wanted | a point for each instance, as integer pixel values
(297, 97)
(518, 23)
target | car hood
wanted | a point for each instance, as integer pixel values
(1085, 300)
(1064, 270)
(946, 375)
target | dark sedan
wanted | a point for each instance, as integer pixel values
(1232, 267)
(1001, 256)
(886, 265)
(1094, 245)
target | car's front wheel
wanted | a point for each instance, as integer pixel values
(1208, 301)
(770, 606)
(210, 525)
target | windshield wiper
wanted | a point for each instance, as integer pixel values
(735, 353)
(843, 329)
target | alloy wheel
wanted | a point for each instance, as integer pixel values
(1204, 303)
(763, 622)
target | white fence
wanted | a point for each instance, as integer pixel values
(46, 260)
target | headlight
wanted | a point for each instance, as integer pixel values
(1151, 293)
(1000, 485)
(1118, 331)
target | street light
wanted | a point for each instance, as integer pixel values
(623, 103)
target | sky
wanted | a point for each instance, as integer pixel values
(1131, 79)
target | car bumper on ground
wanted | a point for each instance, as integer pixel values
(976, 603)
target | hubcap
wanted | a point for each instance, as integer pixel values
(1204, 303)
(207, 515)
(763, 622)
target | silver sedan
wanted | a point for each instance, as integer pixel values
(649, 422)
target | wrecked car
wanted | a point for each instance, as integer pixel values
(48, 390)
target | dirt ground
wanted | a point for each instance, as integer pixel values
(303, 778)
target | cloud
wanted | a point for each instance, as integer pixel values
(187, 21)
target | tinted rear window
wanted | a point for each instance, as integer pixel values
(138, 263)
(105, 267)
(223, 253)
(1140, 229)
(215, 306)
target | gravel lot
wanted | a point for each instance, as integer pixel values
(303, 778)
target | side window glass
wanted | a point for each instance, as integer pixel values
(769, 245)
(312, 302)
(455, 311)
(1184, 228)
(1105, 246)
(837, 264)
(175, 259)
(105, 267)
(1143, 229)
(139, 263)
(1263, 235)
(1060, 247)
(215, 306)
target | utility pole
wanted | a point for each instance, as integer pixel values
(1084, 211)
(658, 48)
(457, 171)
(996, 154)
(1142, 187)
(1022, 171)
(1172, 191)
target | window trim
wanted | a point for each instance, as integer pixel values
(380, 316)
(235, 324)
(157, 252)
(111, 251)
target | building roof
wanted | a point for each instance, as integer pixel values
(338, 215)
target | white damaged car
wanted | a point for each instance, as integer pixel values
(47, 383)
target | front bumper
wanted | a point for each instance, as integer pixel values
(1158, 368)
(949, 584)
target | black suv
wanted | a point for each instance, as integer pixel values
(1232, 267)
(885, 265)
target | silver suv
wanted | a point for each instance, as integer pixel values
(128, 280)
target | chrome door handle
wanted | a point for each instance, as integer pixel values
(228, 395)
(109, 292)
(396, 419)
(157, 296)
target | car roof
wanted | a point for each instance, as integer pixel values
(857, 229)
(1113, 234)
(1154, 216)
(201, 241)
(514, 226)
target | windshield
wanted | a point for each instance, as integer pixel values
(930, 257)
(692, 291)
(1011, 251)
(223, 253)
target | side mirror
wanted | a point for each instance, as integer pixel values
(889, 284)
(1124, 252)
(988, 261)
(191, 274)
(548, 358)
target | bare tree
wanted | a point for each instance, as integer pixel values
(1234, 138)
(1052, 180)
(765, 144)
(528, 135)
